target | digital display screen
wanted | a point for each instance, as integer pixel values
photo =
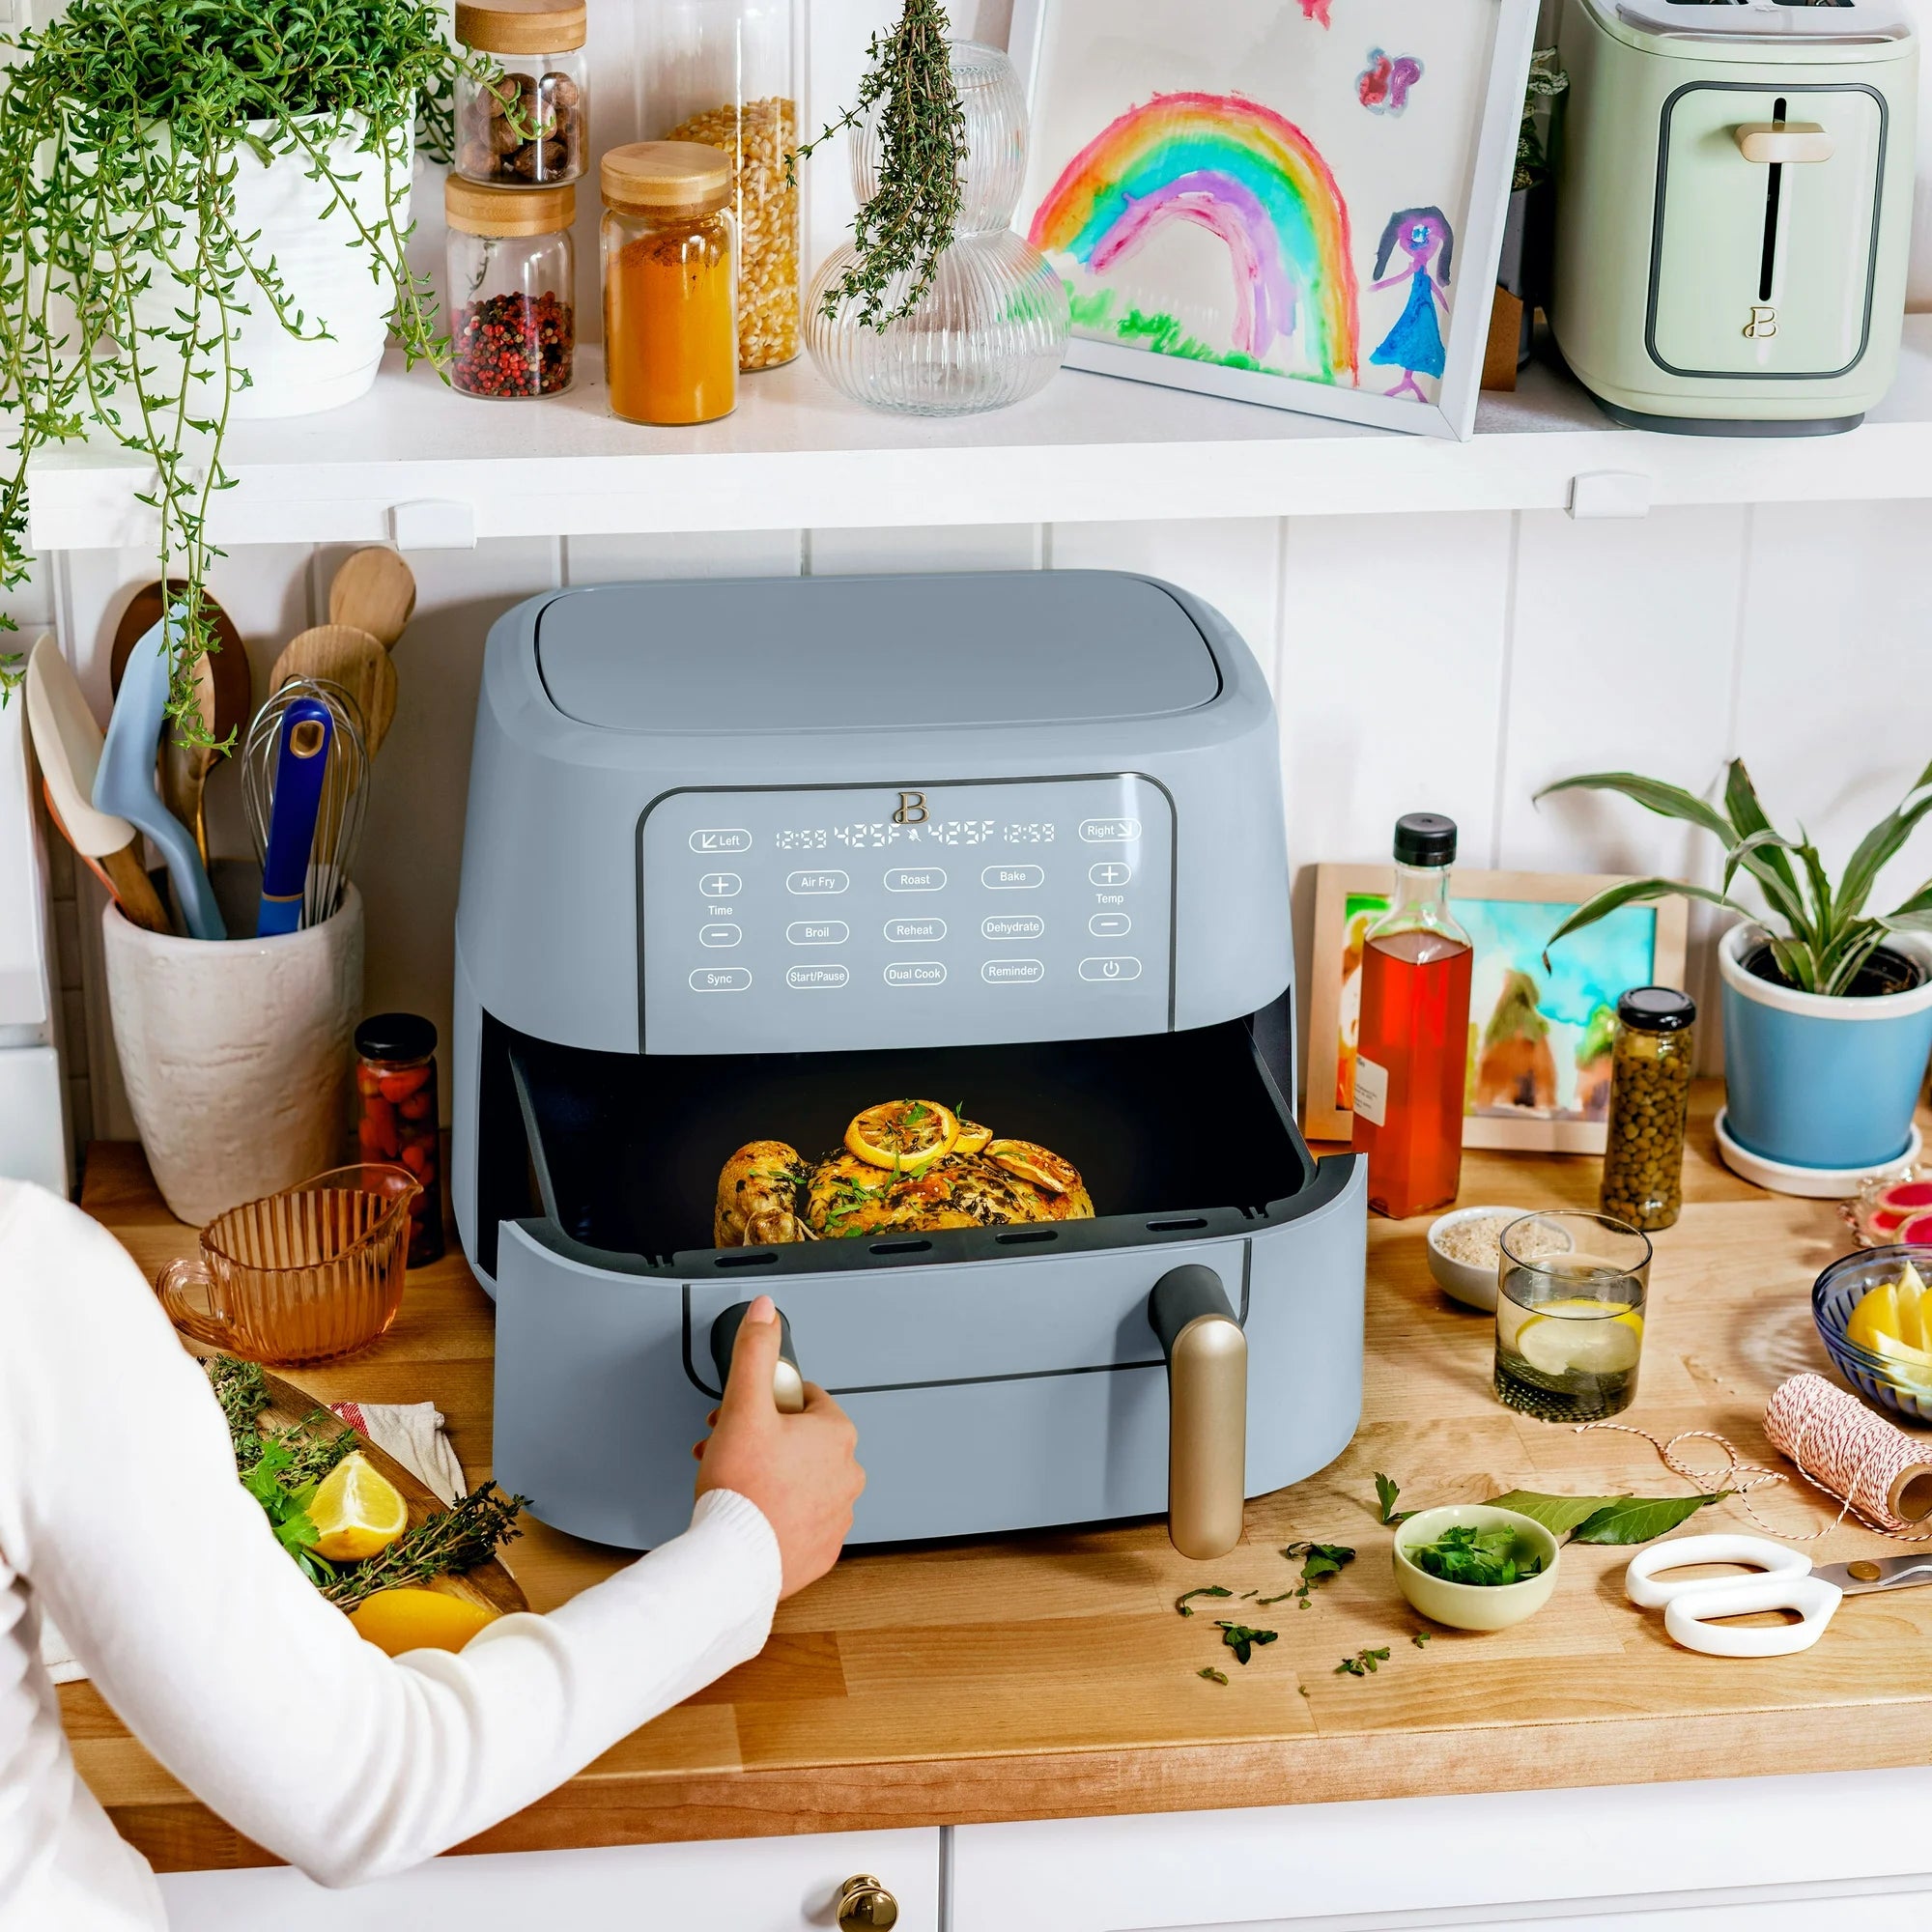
(880, 834)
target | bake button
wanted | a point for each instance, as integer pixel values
(1110, 925)
(1012, 878)
(1115, 966)
(914, 931)
(914, 973)
(818, 978)
(1013, 926)
(1012, 972)
(915, 879)
(719, 979)
(1110, 830)
(720, 935)
(814, 885)
(1110, 872)
(818, 932)
(722, 839)
(720, 885)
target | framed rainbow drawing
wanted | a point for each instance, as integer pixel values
(1292, 202)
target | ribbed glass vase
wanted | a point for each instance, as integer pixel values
(993, 327)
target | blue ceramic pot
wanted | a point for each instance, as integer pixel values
(1812, 1081)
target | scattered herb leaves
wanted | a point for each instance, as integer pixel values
(1364, 1662)
(1421, 1637)
(1386, 1491)
(1319, 1562)
(1261, 1603)
(1486, 1557)
(1212, 1675)
(1242, 1640)
(1184, 1606)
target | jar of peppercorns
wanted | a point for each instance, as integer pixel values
(1650, 1099)
(395, 1092)
(509, 262)
(523, 121)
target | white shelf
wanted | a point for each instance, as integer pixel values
(1086, 450)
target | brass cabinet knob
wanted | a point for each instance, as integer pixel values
(865, 1905)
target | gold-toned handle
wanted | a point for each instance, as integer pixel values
(865, 1905)
(1207, 1437)
(172, 1289)
(1783, 141)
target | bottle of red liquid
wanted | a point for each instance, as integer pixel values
(395, 1087)
(1412, 1058)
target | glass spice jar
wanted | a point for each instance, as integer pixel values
(397, 1118)
(721, 73)
(530, 126)
(669, 248)
(1650, 1099)
(509, 267)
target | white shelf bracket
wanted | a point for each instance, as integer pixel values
(433, 524)
(1610, 492)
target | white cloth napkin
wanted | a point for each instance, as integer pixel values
(414, 1433)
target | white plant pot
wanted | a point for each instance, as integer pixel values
(236, 1055)
(324, 268)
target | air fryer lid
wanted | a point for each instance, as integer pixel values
(886, 653)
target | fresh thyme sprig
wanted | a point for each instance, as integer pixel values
(460, 1538)
(900, 233)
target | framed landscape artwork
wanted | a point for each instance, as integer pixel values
(1292, 202)
(1539, 1037)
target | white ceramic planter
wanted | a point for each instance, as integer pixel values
(325, 266)
(236, 1056)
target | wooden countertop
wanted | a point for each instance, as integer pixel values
(1047, 1675)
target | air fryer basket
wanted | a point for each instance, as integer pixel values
(1174, 1134)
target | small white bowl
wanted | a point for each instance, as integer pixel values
(1462, 1281)
(1474, 1606)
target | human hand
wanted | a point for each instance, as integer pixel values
(799, 1469)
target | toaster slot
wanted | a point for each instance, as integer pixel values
(1178, 1137)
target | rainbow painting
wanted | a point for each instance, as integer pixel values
(1252, 179)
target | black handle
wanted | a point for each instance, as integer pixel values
(788, 1378)
(1183, 1295)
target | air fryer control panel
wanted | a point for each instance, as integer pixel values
(811, 919)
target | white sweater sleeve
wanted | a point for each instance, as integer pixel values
(119, 1504)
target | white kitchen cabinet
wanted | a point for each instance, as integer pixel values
(738, 1884)
(1731, 1854)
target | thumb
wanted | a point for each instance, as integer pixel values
(754, 1358)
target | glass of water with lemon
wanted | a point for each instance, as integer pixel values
(1570, 1315)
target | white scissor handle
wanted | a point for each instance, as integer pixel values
(1686, 1615)
(1641, 1584)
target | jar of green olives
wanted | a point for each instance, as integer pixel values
(1650, 1098)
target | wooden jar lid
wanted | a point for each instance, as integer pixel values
(521, 26)
(666, 178)
(476, 210)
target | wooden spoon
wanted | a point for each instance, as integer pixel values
(352, 659)
(374, 591)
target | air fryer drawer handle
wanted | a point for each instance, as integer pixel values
(1779, 141)
(787, 1381)
(1207, 1410)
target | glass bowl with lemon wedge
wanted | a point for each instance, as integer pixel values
(1874, 1315)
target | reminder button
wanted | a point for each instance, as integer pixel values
(1012, 972)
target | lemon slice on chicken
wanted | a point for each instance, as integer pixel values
(902, 1135)
(1033, 1163)
(973, 1138)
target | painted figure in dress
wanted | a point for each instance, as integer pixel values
(1415, 345)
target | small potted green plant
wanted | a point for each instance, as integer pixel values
(204, 209)
(1828, 1007)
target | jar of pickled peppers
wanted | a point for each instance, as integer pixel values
(396, 1118)
(1650, 1099)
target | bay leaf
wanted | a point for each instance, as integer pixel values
(1637, 1518)
(1558, 1515)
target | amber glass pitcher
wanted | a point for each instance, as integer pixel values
(301, 1276)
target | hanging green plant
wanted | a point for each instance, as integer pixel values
(125, 270)
(901, 232)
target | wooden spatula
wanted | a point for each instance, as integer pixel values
(374, 591)
(352, 659)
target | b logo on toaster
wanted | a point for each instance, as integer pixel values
(912, 809)
(1763, 321)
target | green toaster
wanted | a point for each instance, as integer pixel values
(1734, 210)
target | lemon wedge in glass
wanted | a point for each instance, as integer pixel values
(357, 1510)
(1581, 1336)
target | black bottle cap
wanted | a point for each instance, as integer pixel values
(1657, 1010)
(1425, 839)
(395, 1036)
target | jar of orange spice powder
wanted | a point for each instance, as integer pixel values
(671, 283)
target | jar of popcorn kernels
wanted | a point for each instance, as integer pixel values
(721, 73)
(527, 124)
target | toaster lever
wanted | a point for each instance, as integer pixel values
(1207, 1410)
(1779, 141)
(787, 1382)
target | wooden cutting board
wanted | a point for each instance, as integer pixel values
(489, 1584)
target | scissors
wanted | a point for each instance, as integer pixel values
(1786, 1582)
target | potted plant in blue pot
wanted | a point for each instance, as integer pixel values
(1828, 1007)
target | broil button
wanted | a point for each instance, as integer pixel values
(1112, 967)
(818, 933)
(720, 980)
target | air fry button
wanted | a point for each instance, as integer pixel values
(1113, 966)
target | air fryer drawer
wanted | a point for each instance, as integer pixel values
(1765, 268)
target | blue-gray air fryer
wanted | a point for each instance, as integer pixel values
(744, 858)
